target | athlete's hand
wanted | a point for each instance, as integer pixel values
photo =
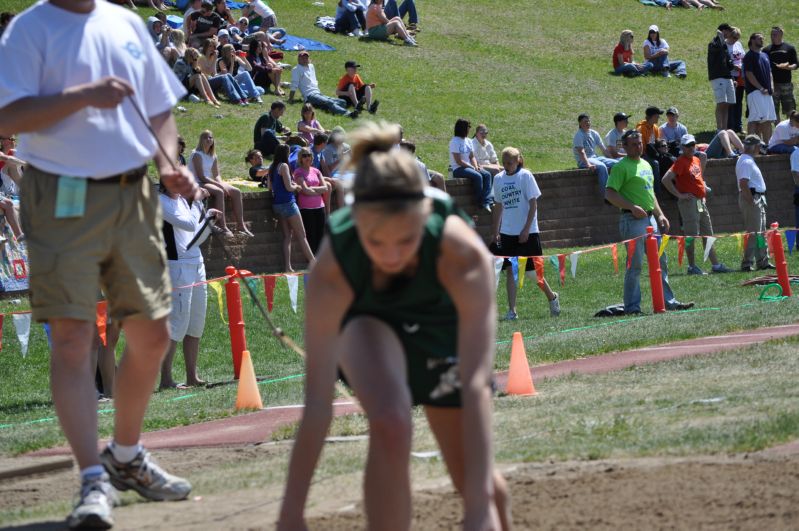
(180, 181)
(107, 93)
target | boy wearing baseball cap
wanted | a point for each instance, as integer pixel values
(352, 89)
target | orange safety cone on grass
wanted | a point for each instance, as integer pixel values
(248, 396)
(520, 381)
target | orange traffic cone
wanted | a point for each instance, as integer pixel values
(520, 381)
(248, 396)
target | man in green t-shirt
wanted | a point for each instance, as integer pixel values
(631, 188)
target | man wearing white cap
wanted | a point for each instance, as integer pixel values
(685, 181)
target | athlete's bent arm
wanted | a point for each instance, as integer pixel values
(466, 272)
(327, 298)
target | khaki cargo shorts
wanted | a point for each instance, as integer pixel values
(695, 217)
(117, 245)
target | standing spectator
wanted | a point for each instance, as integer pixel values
(685, 181)
(736, 51)
(719, 72)
(484, 150)
(656, 53)
(205, 167)
(786, 135)
(623, 63)
(630, 188)
(284, 205)
(783, 61)
(759, 89)
(182, 222)
(47, 93)
(752, 202)
(585, 144)
(380, 27)
(308, 126)
(464, 165)
(514, 228)
(407, 6)
(303, 78)
(203, 24)
(613, 138)
(265, 70)
(311, 198)
(352, 89)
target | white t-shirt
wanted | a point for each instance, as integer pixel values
(746, 169)
(186, 222)
(782, 132)
(462, 146)
(737, 53)
(262, 9)
(77, 49)
(304, 79)
(655, 48)
(208, 165)
(795, 161)
(514, 193)
(484, 154)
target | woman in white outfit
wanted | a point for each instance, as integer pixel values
(182, 222)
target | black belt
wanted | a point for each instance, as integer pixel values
(756, 194)
(648, 212)
(128, 177)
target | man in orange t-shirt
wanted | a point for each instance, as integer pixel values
(684, 180)
(354, 91)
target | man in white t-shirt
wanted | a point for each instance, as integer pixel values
(785, 138)
(92, 221)
(752, 202)
(515, 225)
(303, 78)
(590, 152)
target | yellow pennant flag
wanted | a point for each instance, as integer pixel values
(522, 270)
(217, 287)
(739, 239)
(663, 241)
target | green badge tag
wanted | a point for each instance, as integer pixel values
(70, 200)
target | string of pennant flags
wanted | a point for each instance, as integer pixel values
(22, 319)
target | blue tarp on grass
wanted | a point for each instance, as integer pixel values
(294, 43)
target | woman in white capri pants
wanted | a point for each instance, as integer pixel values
(186, 268)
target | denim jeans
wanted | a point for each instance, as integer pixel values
(407, 6)
(662, 64)
(334, 105)
(603, 166)
(229, 85)
(736, 110)
(481, 180)
(781, 148)
(630, 227)
(629, 69)
(248, 86)
(347, 22)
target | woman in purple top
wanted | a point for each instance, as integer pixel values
(308, 126)
(313, 188)
(284, 205)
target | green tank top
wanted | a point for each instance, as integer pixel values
(417, 307)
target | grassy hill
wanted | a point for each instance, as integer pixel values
(525, 68)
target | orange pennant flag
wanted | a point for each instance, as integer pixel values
(680, 249)
(630, 252)
(102, 320)
(562, 268)
(614, 252)
(539, 269)
(269, 291)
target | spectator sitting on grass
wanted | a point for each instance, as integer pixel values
(585, 144)
(265, 71)
(484, 151)
(786, 135)
(221, 9)
(350, 18)
(193, 79)
(407, 6)
(239, 31)
(207, 64)
(623, 63)
(613, 139)
(308, 126)
(685, 181)
(239, 68)
(656, 53)
(433, 177)
(177, 47)
(380, 27)
(203, 24)
(303, 78)
(258, 172)
(269, 130)
(263, 16)
(352, 89)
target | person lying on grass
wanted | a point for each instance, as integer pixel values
(401, 303)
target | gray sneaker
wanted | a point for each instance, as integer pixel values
(145, 477)
(554, 306)
(721, 268)
(694, 270)
(93, 510)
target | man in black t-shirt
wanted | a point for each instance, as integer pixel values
(783, 61)
(203, 24)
